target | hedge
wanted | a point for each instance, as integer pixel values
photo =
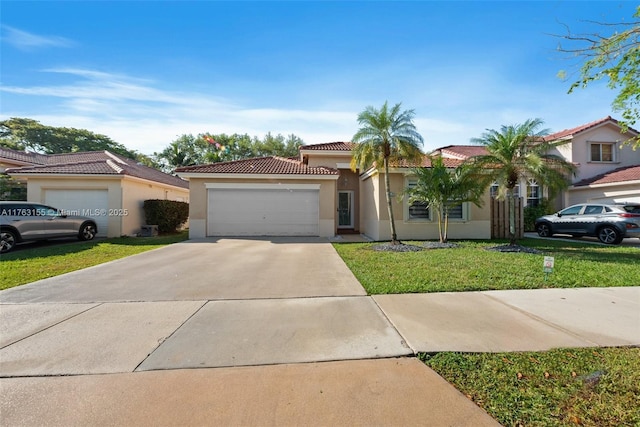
(168, 215)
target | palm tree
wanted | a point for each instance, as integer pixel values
(385, 135)
(442, 189)
(517, 151)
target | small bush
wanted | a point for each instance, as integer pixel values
(531, 213)
(168, 215)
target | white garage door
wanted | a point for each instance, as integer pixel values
(291, 211)
(91, 203)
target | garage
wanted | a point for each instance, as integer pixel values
(90, 203)
(262, 209)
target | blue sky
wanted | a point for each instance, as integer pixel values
(146, 72)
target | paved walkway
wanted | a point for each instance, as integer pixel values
(281, 334)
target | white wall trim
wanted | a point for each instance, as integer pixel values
(258, 186)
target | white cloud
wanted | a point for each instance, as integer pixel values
(24, 40)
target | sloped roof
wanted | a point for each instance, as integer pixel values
(272, 165)
(624, 174)
(426, 163)
(330, 146)
(23, 156)
(578, 129)
(461, 152)
(94, 163)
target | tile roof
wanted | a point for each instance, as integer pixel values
(462, 152)
(272, 165)
(624, 174)
(426, 163)
(94, 163)
(22, 156)
(330, 146)
(573, 131)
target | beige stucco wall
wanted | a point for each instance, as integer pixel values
(578, 151)
(135, 192)
(370, 207)
(330, 161)
(198, 202)
(376, 219)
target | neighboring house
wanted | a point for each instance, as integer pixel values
(607, 169)
(317, 194)
(102, 185)
(597, 150)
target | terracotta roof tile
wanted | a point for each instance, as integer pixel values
(426, 163)
(628, 173)
(86, 168)
(330, 146)
(97, 162)
(462, 152)
(272, 165)
(23, 156)
(573, 131)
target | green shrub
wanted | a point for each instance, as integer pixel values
(531, 213)
(168, 215)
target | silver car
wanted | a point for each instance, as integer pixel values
(609, 223)
(26, 221)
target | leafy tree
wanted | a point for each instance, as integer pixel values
(28, 134)
(181, 152)
(517, 151)
(385, 135)
(442, 189)
(204, 148)
(615, 57)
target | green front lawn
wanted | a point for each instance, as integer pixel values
(28, 264)
(576, 387)
(470, 267)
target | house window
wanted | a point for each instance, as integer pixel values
(494, 190)
(601, 152)
(416, 211)
(533, 193)
(456, 212)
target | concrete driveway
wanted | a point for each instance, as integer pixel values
(201, 270)
(205, 303)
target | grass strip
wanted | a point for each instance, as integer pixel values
(470, 267)
(27, 265)
(564, 387)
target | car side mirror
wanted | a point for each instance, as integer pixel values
(558, 214)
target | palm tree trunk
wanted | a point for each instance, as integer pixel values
(387, 183)
(512, 216)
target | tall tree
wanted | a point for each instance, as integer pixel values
(518, 151)
(615, 57)
(181, 152)
(28, 134)
(385, 135)
(442, 189)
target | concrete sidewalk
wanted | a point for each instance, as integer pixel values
(518, 320)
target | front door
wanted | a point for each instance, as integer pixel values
(345, 209)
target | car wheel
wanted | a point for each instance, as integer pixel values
(7, 241)
(544, 230)
(87, 232)
(609, 235)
